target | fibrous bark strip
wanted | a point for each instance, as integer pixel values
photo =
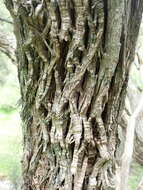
(73, 62)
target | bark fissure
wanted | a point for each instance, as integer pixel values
(72, 65)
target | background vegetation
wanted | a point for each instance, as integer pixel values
(10, 124)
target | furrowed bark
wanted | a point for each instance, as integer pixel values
(73, 63)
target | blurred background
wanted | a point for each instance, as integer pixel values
(10, 124)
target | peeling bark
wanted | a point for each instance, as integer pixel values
(73, 63)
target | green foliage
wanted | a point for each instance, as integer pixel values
(136, 174)
(10, 128)
(15, 177)
(10, 142)
(9, 86)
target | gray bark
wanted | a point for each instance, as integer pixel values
(133, 98)
(128, 150)
(73, 63)
(138, 140)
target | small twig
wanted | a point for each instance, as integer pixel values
(6, 20)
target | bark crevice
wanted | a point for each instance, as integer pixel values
(72, 65)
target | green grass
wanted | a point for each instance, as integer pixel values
(10, 142)
(136, 173)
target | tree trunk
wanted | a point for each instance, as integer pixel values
(128, 150)
(73, 63)
(134, 96)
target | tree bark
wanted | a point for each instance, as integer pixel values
(128, 151)
(73, 64)
(134, 95)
